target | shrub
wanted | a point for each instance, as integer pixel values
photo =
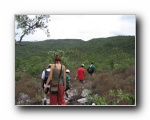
(29, 87)
(114, 97)
(121, 84)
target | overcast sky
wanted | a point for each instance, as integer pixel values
(86, 27)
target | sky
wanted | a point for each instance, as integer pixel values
(85, 27)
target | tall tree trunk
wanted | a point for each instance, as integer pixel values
(21, 38)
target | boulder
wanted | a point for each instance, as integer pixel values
(82, 100)
(85, 93)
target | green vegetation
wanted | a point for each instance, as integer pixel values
(106, 53)
(112, 56)
(29, 25)
(115, 97)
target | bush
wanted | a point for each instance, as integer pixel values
(28, 86)
(114, 97)
(118, 83)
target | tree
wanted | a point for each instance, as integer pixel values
(52, 55)
(29, 23)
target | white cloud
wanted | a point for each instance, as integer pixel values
(86, 27)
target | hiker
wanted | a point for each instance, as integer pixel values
(68, 83)
(44, 78)
(56, 78)
(81, 74)
(91, 69)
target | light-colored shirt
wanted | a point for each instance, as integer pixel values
(43, 73)
(43, 76)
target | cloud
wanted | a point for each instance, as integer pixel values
(86, 27)
(129, 18)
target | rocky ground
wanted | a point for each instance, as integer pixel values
(75, 97)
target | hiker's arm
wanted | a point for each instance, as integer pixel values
(76, 77)
(50, 75)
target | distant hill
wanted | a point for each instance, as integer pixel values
(125, 43)
(104, 52)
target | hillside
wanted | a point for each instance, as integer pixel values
(125, 43)
(99, 50)
(113, 57)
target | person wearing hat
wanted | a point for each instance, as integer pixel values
(44, 78)
(80, 74)
(68, 83)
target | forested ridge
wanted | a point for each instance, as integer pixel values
(98, 50)
(108, 54)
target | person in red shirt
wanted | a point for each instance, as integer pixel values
(80, 74)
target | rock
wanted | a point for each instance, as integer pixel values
(82, 100)
(93, 104)
(85, 93)
(23, 102)
(23, 96)
(23, 99)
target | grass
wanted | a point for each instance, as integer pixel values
(100, 84)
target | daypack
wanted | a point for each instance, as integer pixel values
(46, 75)
(54, 84)
(90, 69)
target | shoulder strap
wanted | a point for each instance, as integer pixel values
(60, 72)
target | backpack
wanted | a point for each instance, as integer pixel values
(46, 75)
(90, 69)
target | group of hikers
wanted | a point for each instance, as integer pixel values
(56, 80)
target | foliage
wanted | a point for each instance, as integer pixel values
(110, 55)
(98, 100)
(28, 24)
(114, 97)
(29, 87)
(106, 53)
(117, 96)
(52, 54)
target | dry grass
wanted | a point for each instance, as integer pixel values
(100, 83)
(124, 80)
(27, 86)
